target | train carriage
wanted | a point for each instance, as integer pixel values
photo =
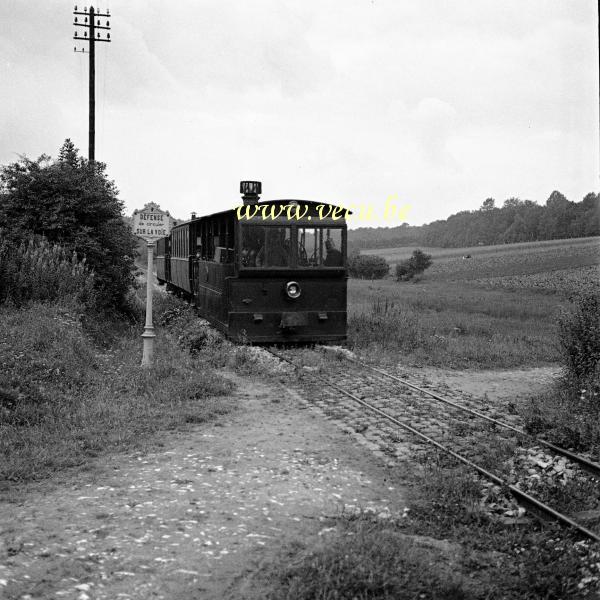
(271, 271)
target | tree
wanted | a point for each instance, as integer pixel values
(416, 264)
(71, 202)
(488, 204)
(558, 216)
(556, 200)
(512, 203)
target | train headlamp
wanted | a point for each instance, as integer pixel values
(292, 289)
(250, 187)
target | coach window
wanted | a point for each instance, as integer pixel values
(320, 247)
(266, 246)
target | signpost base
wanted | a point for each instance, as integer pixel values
(148, 352)
(148, 335)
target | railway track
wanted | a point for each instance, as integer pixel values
(585, 463)
(421, 414)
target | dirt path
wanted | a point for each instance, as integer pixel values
(193, 519)
(503, 386)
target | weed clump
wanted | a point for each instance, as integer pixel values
(569, 414)
(38, 271)
(363, 558)
(579, 337)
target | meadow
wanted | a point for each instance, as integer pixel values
(498, 308)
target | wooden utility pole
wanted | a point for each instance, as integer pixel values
(91, 22)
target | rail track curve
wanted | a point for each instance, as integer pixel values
(404, 415)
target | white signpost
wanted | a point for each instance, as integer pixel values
(150, 224)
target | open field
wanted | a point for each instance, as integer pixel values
(502, 261)
(498, 308)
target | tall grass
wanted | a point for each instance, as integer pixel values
(580, 339)
(450, 327)
(569, 414)
(38, 271)
(362, 559)
(65, 399)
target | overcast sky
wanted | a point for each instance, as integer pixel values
(438, 103)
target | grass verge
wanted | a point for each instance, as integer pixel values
(66, 398)
(442, 547)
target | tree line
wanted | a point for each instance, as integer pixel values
(516, 221)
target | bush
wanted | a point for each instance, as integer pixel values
(567, 415)
(579, 336)
(36, 270)
(417, 263)
(366, 266)
(71, 202)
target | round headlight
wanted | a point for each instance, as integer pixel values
(292, 289)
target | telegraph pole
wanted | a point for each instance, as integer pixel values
(91, 23)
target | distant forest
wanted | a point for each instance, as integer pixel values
(516, 221)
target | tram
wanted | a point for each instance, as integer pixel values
(266, 272)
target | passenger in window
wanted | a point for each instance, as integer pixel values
(248, 257)
(276, 254)
(334, 256)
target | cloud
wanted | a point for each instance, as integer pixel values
(434, 121)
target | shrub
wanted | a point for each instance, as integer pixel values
(567, 414)
(579, 337)
(71, 202)
(36, 270)
(366, 266)
(417, 263)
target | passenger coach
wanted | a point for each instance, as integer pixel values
(271, 271)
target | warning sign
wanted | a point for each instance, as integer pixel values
(151, 223)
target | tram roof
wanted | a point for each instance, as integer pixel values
(263, 203)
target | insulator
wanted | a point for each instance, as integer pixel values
(85, 19)
(85, 33)
(108, 36)
(76, 7)
(108, 23)
(75, 19)
(85, 9)
(98, 23)
(75, 34)
(75, 49)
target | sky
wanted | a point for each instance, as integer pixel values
(430, 106)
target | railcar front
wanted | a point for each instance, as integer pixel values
(291, 273)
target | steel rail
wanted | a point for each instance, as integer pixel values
(590, 466)
(515, 491)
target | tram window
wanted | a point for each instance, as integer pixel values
(320, 247)
(264, 246)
